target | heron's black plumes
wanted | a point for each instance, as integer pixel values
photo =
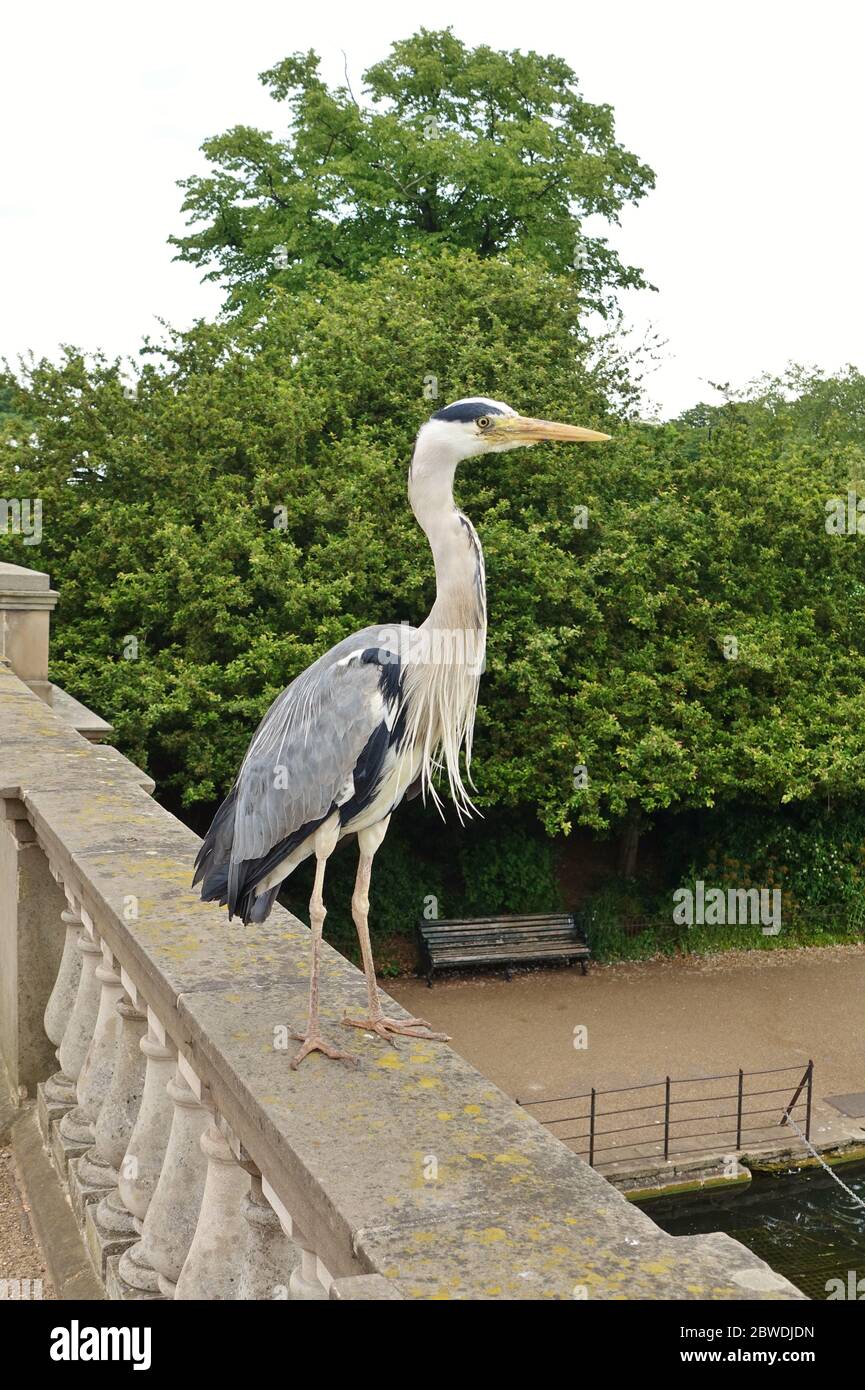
(214, 854)
(237, 890)
(233, 884)
(466, 411)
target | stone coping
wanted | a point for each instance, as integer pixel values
(25, 588)
(413, 1166)
(82, 719)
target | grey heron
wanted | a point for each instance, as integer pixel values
(371, 721)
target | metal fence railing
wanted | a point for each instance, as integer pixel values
(674, 1120)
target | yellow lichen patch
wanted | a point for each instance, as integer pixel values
(390, 1062)
(655, 1267)
(424, 1237)
(421, 1057)
(518, 1160)
(480, 1156)
(428, 1082)
(444, 1115)
(490, 1235)
(471, 1110)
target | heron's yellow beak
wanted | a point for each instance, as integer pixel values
(518, 429)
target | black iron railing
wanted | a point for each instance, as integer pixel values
(671, 1117)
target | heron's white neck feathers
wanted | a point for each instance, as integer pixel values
(443, 672)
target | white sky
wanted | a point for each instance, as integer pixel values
(750, 113)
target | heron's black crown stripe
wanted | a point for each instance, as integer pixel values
(467, 411)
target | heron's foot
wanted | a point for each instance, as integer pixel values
(314, 1042)
(403, 1027)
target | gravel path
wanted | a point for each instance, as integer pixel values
(691, 1016)
(19, 1255)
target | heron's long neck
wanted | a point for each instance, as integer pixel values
(460, 602)
(442, 677)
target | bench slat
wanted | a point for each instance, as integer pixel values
(501, 940)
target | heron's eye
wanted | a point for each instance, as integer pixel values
(484, 422)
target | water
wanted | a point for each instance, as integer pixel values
(801, 1223)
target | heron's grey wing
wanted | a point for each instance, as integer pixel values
(302, 759)
(321, 745)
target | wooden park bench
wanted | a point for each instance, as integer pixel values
(503, 941)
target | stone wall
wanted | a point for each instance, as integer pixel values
(197, 1162)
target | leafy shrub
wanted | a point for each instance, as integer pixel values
(508, 866)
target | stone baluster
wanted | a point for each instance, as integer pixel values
(152, 1266)
(94, 1078)
(97, 1170)
(309, 1281)
(82, 1020)
(62, 997)
(76, 1041)
(57, 1094)
(270, 1257)
(145, 1152)
(119, 1218)
(306, 1284)
(213, 1266)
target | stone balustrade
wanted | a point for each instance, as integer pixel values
(154, 1035)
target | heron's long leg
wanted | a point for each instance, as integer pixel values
(377, 1021)
(312, 1039)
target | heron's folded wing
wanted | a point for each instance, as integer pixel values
(302, 759)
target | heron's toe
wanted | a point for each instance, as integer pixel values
(313, 1042)
(388, 1028)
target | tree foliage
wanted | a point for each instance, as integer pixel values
(673, 627)
(451, 147)
(246, 508)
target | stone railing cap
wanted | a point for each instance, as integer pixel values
(18, 579)
(511, 1211)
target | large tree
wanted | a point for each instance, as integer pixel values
(694, 638)
(449, 146)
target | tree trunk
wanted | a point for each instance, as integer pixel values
(629, 843)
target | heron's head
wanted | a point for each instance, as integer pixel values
(478, 425)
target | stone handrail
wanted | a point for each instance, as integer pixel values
(198, 1163)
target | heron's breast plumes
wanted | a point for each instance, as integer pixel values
(442, 678)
